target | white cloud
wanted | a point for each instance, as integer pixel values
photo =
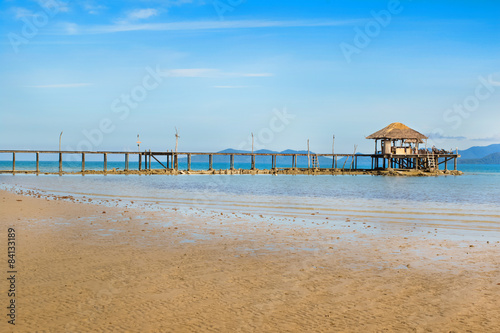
(140, 14)
(62, 85)
(209, 73)
(54, 5)
(211, 25)
(20, 12)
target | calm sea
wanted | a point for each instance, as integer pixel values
(470, 203)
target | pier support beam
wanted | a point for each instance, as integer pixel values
(231, 161)
(60, 162)
(455, 164)
(37, 162)
(149, 163)
(105, 162)
(210, 162)
(189, 162)
(83, 162)
(273, 162)
(176, 162)
(13, 162)
(140, 161)
(445, 164)
(126, 162)
(415, 163)
(253, 162)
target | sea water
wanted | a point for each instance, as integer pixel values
(470, 202)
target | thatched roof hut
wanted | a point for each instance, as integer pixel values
(398, 131)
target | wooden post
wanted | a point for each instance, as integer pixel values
(253, 162)
(105, 162)
(294, 161)
(126, 161)
(415, 163)
(445, 164)
(168, 160)
(231, 161)
(189, 162)
(37, 162)
(210, 161)
(60, 162)
(149, 164)
(273, 161)
(176, 162)
(308, 158)
(455, 164)
(145, 160)
(140, 161)
(83, 162)
(13, 162)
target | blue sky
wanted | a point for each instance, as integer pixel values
(105, 71)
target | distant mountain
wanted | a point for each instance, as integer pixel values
(479, 151)
(488, 159)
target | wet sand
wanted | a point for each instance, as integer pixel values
(85, 267)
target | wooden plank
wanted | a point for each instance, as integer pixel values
(156, 161)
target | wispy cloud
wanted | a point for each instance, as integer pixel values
(140, 14)
(495, 138)
(123, 26)
(54, 5)
(62, 85)
(209, 73)
(231, 87)
(445, 137)
(20, 12)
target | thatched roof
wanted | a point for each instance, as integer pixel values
(397, 131)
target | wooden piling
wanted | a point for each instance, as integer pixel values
(455, 164)
(231, 161)
(83, 162)
(273, 162)
(253, 162)
(189, 162)
(149, 164)
(13, 162)
(140, 161)
(126, 161)
(60, 162)
(210, 162)
(105, 162)
(176, 161)
(37, 162)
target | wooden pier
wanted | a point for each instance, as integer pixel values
(169, 161)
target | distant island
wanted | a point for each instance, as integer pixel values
(480, 155)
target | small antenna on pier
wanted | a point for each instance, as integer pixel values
(176, 139)
(138, 144)
(252, 142)
(60, 136)
(333, 145)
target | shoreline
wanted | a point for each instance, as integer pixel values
(88, 267)
(333, 172)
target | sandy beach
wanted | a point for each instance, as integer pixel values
(86, 267)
